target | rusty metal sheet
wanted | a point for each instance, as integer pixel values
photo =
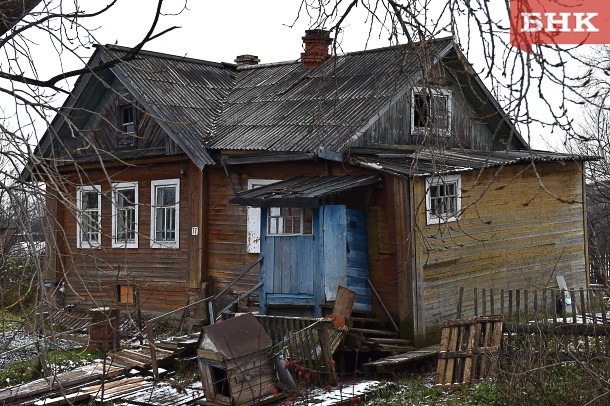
(236, 337)
(303, 191)
(425, 161)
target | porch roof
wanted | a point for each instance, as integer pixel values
(303, 191)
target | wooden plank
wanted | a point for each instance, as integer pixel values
(344, 302)
(455, 332)
(150, 337)
(476, 302)
(536, 313)
(584, 315)
(469, 363)
(441, 367)
(544, 305)
(129, 361)
(492, 308)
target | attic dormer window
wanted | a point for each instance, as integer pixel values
(127, 126)
(127, 119)
(431, 111)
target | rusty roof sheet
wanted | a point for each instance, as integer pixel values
(414, 161)
(237, 337)
(285, 107)
(303, 191)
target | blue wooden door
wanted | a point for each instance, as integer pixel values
(289, 267)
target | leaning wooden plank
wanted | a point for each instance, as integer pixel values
(474, 331)
(455, 333)
(442, 362)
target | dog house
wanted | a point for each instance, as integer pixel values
(234, 361)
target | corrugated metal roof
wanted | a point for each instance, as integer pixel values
(303, 191)
(413, 161)
(184, 95)
(285, 107)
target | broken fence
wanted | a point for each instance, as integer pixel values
(577, 317)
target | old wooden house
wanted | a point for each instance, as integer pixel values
(398, 170)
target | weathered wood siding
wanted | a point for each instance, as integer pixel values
(467, 129)
(161, 275)
(519, 230)
(99, 133)
(227, 254)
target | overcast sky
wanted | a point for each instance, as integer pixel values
(220, 30)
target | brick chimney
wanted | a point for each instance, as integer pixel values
(316, 48)
(247, 60)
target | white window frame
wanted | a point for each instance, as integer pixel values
(281, 221)
(430, 91)
(432, 218)
(253, 232)
(153, 216)
(80, 243)
(115, 188)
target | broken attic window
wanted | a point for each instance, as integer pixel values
(128, 119)
(126, 136)
(431, 110)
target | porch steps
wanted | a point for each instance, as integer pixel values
(368, 333)
(363, 321)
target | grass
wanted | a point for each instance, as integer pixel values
(419, 389)
(57, 360)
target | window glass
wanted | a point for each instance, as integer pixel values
(443, 198)
(89, 217)
(127, 119)
(289, 221)
(125, 215)
(165, 206)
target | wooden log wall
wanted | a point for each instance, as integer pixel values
(162, 276)
(227, 251)
(519, 227)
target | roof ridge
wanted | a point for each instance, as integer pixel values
(110, 47)
(389, 47)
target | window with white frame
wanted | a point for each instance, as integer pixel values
(253, 236)
(443, 198)
(289, 221)
(165, 198)
(431, 111)
(125, 215)
(89, 217)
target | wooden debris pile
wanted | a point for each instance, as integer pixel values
(469, 350)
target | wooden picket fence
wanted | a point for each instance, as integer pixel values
(577, 316)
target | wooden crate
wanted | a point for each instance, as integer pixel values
(469, 350)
